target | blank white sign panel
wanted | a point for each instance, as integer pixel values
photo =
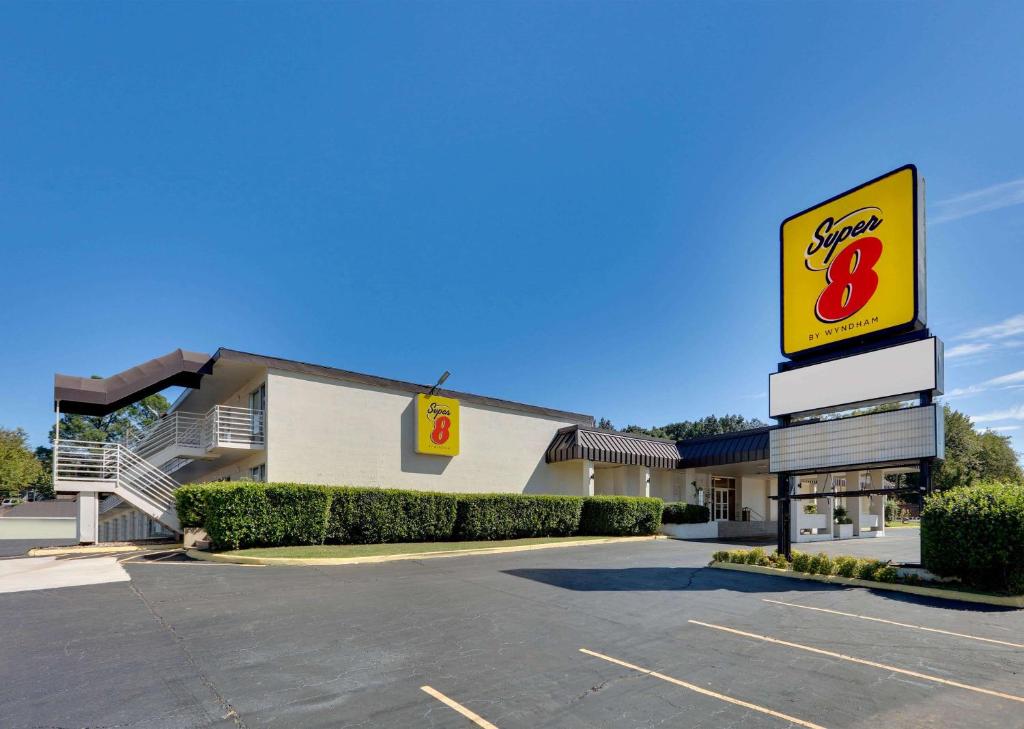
(905, 369)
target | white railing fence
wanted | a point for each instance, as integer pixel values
(220, 425)
(77, 460)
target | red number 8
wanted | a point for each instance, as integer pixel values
(442, 430)
(852, 281)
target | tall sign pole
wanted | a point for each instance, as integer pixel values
(853, 330)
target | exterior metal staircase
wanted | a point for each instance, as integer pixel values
(112, 468)
(138, 470)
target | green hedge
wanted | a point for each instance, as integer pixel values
(378, 516)
(516, 516)
(680, 513)
(256, 514)
(243, 514)
(976, 533)
(623, 516)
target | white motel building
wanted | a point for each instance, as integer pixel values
(251, 417)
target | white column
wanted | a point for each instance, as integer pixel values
(878, 500)
(645, 481)
(853, 502)
(88, 517)
(588, 478)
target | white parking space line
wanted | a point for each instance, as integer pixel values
(862, 661)
(706, 692)
(900, 625)
(452, 704)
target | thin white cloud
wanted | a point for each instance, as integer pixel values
(1001, 428)
(1003, 195)
(967, 349)
(1011, 381)
(1014, 413)
(1010, 327)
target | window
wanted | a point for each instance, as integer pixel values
(258, 405)
(258, 473)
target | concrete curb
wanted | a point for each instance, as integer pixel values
(54, 551)
(328, 561)
(1013, 601)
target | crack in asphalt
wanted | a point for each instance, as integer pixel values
(230, 711)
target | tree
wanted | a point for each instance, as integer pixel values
(605, 424)
(115, 426)
(18, 465)
(708, 425)
(973, 456)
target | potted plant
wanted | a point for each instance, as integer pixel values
(844, 524)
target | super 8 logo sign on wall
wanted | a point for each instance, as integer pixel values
(437, 425)
(853, 266)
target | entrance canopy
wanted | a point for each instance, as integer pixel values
(101, 396)
(580, 443)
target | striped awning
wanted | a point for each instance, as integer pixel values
(719, 450)
(577, 443)
(604, 446)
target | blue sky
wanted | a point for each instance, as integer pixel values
(568, 204)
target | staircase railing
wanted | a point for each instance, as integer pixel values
(220, 425)
(133, 476)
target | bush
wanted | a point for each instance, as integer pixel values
(378, 516)
(681, 513)
(801, 562)
(620, 515)
(256, 514)
(846, 566)
(190, 502)
(821, 564)
(976, 533)
(886, 574)
(757, 556)
(867, 569)
(721, 556)
(778, 560)
(514, 516)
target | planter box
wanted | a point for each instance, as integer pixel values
(196, 538)
(708, 530)
(844, 531)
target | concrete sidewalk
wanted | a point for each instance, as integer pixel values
(44, 573)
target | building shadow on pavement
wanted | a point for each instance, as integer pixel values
(651, 579)
(703, 579)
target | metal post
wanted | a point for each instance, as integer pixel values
(56, 441)
(782, 489)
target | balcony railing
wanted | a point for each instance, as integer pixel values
(221, 425)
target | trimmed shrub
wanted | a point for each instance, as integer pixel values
(821, 564)
(377, 516)
(757, 556)
(620, 515)
(738, 556)
(244, 515)
(868, 568)
(778, 560)
(846, 566)
(801, 562)
(976, 533)
(190, 502)
(720, 556)
(886, 574)
(681, 513)
(515, 516)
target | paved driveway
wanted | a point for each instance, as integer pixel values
(502, 638)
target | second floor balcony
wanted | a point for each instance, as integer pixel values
(220, 430)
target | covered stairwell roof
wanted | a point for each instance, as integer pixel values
(101, 396)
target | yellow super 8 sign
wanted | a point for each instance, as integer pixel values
(853, 266)
(437, 425)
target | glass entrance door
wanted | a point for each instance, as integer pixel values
(721, 504)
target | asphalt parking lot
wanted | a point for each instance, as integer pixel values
(617, 635)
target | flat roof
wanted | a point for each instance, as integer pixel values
(333, 373)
